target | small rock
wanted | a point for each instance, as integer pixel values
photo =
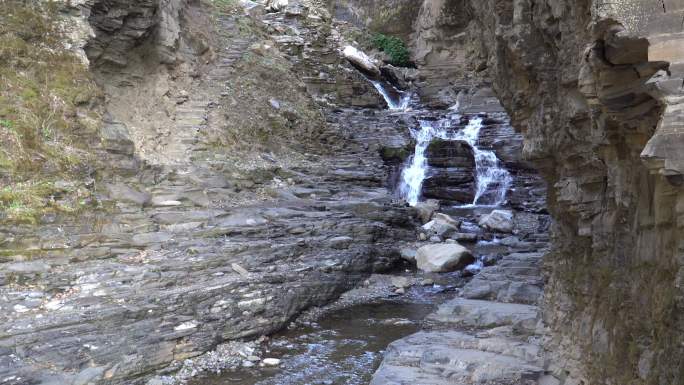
(340, 243)
(427, 282)
(440, 217)
(422, 237)
(400, 291)
(441, 225)
(435, 239)
(464, 237)
(400, 282)
(240, 270)
(408, 254)
(271, 361)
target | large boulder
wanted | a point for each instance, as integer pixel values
(443, 258)
(498, 220)
(395, 155)
(400, 77)
(425, 210)
(361, 61)
(451, 153)
(442, 225)
(450, 184)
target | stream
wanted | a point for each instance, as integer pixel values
(346, 346)
(343, 348)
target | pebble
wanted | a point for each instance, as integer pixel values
(271, 361)
(422, 237)
(427, 282)
(400, 291)
(400, 282)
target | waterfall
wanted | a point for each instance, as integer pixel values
(413, 175)
(489, 174)
(401, 104)
(488, 171)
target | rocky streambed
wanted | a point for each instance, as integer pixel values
(190, 258)
(462, 307)
(411, 327)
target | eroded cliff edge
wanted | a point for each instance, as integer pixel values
(596, 88)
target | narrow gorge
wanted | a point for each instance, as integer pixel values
(383, 192)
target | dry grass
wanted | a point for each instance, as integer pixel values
(44, 91)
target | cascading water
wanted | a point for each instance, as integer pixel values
(489, 173)
(490, 176)
(401, 104)
(413, 175)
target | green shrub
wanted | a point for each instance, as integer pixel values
(394, 47)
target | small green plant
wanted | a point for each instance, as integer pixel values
(7, 124)
(394, 47)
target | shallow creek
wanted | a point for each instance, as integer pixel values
(346, 346)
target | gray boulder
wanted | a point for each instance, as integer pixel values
(443, 258)
(498, 220)
(408, 254)
(361, 61)
(425, 210)
(442, 225)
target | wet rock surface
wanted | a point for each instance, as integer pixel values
(494, 339)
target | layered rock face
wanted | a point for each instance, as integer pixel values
(596, 90)
(390, 17)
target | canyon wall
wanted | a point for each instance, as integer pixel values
(596, 88)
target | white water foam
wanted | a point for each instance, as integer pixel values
(489, 173)
(488, 170)
(413, 175)
(400, 105)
